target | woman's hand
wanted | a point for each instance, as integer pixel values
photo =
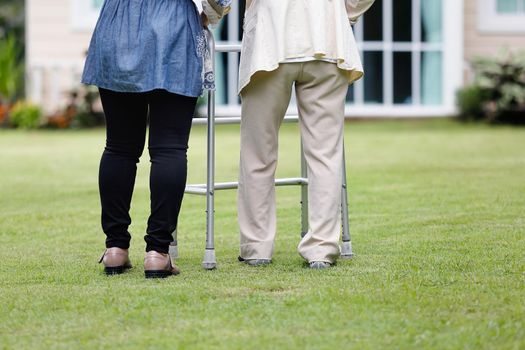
(215, 10)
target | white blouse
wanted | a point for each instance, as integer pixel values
(279, 31)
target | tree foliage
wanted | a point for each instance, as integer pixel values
(12, 18)
(12, 49)
(11, 69)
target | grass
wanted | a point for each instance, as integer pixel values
(437, 217)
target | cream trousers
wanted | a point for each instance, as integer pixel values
(321, 89)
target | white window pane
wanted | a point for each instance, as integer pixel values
(403, 77)
(432, 21)
(85, 13)
(507, 6)
(350, 95)
(431, 78)
(402, 20)
(373, 62)
(373, 22)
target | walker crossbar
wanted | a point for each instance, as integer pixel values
(237, 120)
(202, 188)
(208, 189)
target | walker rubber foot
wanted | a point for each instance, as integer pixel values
(210, 261)
(174, 252)
(346, 250)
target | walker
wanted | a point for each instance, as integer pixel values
(208, 189)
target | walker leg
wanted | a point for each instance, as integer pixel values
(346, 246)
(210, 261)
(174, 249)
(304, 195)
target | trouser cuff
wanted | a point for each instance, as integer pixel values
(259, 250)
(122, 244)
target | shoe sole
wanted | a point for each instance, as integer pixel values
(320, 266)
(117, 270)
(158, 274)
(257, 263)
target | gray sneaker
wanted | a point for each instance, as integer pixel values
(255, 262)
(320, 265)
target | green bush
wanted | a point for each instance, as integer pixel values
(498, 92)
(11, 69)
(86, 119)
(25, 115)
(470, 102)
(86, 114)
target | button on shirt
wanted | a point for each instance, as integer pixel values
(283, 31)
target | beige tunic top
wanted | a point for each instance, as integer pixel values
(278, 30)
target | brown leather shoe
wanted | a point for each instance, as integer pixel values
(158, 265)
(115, 260)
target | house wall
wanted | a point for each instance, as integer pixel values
(55, 52)
(485, 43)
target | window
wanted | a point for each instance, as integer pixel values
(510, 6)
(403, 61)
(501, 16)
(406, 49)
(84, 13)
(375, 77)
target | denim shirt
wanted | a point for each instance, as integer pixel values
(144, 45)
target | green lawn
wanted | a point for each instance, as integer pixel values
(437, 216)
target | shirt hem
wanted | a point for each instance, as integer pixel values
(354, 74)
(142, 90)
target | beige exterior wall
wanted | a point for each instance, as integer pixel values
(485, 43)
(55, 52)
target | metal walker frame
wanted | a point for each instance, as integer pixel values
(208, 189)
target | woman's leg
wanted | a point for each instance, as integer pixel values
(170, 124)
(126, 116)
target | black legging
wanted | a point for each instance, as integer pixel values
(170, 117)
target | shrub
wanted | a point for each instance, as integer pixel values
(498, 92)
(4, 110)
(11, 70)
(86, 119)
(470, 102)
(25, 115)
(85, 112)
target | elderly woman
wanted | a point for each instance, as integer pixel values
(309, 45)
(146, 57)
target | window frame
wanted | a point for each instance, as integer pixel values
(83, 15)
(490, 21)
